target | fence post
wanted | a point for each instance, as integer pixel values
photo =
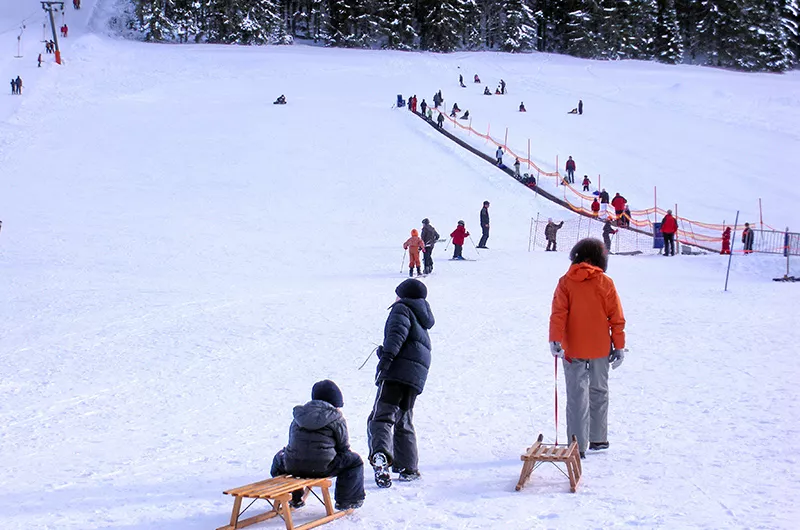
(760, 214)
(530, 235)
(529, 153)
(786, 249)
(534, 231)
(677, 239)
(733, 241)
(488, 131)
(505, 142)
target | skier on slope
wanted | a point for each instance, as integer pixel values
(414, 245)
(429, 237)
(404, 359)
(587, 331)
(459, 235)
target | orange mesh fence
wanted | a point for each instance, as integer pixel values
(690, 231)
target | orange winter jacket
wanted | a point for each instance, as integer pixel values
(414, 244)
(587, 317)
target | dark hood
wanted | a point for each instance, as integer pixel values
(316, 414)
(421, 310)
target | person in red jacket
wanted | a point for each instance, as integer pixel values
(595, 207)
(458, 235)
(586, 182)
(669, 226)
(618, 203)
(726, 240)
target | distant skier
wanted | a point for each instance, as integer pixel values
(455, 108)
(550, 232)
(580, 106)
(429, 114)
(586, 182)
(319, 446)
(484, 215)
(404, 360)
(604, 201)
(669, 226)
(595, 207)
(13, 86)
(502, 87)
(522, 107)
(458, 235)
(414, 245)
(465, 116)
(461, 81)
(586, 323)
(64, 31)
(608, 231)
(76, 4)
(440, 119)
(570, 167)
(429, 236)
(486, 91)
(499, 155)
(280, 101)
(40, 60)
(726, 240)
(18, 82)
(747, 239)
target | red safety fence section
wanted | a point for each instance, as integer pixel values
(690, 231)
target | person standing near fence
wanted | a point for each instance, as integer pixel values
(550, 231)
(669, 226)
(608, 231)
(604, 201)
(587, 331)
(726, 240)
(570, 167)
(747, 239)
(484, 225)
(499, 156)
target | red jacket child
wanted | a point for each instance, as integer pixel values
(726, 240)
(459, 234)
(595, 207)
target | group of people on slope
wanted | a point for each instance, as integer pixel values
(319, 442)
(586, 331)
(16, 86)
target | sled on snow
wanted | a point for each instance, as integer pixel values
(555, 454)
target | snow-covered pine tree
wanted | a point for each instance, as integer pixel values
(441, 26)
(519, 27)
(259, 22)
(667, 43)
(720, 31)
(791, 25)
(551, 22)
(396, 21)
(471, 24)
(155, 19)
(765, 42)
(582, 34)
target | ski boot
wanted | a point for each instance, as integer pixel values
(418, 272)
(380, 465)
(411, 272)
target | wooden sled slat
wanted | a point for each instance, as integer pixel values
(540, 452)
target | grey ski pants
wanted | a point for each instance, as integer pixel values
(587, 400)
(390, 428)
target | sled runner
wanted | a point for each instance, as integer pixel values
(278, 492)
(540, 452)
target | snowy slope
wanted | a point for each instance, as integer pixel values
(183, 260)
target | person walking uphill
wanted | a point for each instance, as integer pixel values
(484, 225)
(570, 167)
(319, 446)
(414, 245)
(669, 226)
(587, 331)
(404, 360)
(429, 237)
(458, 235)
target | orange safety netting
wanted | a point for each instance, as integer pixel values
(689, 230)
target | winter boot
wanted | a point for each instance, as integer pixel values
(408, 475)
(380, 464)
(349, 505)
(418, 272)
(297, 499)
(410, 272)
(597, 446)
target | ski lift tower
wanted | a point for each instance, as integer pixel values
(49, 7)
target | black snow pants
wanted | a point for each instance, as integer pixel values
(390, 428)
(427, 259)
(348, 468)
(484, 236)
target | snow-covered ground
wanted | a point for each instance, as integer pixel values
(182, 260)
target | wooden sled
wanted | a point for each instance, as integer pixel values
(539, 452)
(278, 492)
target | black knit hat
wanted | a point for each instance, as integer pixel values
(425, 221)
(411, 288)
(327, 391)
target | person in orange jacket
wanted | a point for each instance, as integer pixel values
(414, 245)
(587, 331)
(458, 235)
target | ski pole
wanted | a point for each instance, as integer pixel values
(473, 244)
(445, 247)
(555, 393)
(403, 262)
(368, 357)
